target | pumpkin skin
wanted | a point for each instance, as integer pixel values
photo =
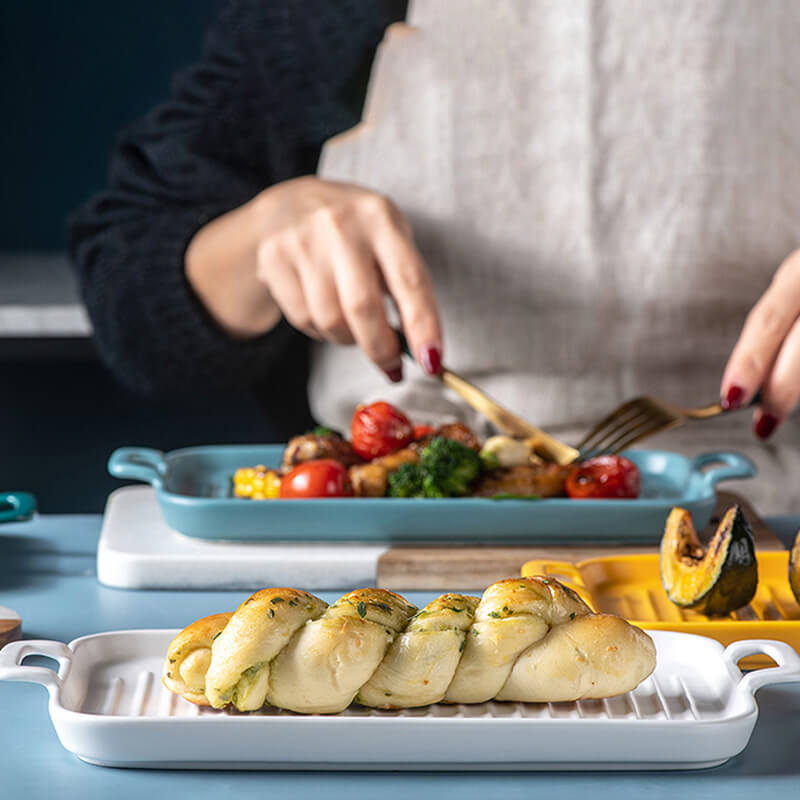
(714, 581)
(794, 568)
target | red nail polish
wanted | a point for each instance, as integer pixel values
(431, 360)
(765, 425)
(733, 399)
(395, 375)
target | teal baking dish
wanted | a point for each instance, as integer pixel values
(193, 486)
(16, 506)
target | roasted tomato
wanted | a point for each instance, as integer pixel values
(421, 431)
(604, 477)
(323, 478)
(379, 429)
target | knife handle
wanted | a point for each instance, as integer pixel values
(401, 337)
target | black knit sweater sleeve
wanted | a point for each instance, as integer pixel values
(278, 78)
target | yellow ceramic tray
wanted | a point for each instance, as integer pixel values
(630, 586)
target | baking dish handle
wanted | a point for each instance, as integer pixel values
(562, 571)
(787, 671)
(138, 464)
(735, 465)
(19, 506)
(12, 668)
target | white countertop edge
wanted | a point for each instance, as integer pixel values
(137, 550)
(46, 320)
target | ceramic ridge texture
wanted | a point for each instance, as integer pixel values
(109, 707)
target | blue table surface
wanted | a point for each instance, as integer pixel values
(47, 574)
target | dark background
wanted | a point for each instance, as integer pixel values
(73, 74)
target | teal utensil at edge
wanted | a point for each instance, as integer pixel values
(16, 506)
(193, 486)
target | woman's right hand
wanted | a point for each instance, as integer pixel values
(323, 255)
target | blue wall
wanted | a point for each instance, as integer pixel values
(72, 73)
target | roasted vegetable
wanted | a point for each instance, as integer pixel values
(324, 430)
(317, 445)
(503, 451)
(448, 468)
(323, 478)
(256, 483)
(372, 479)
(794, 568)
(459, 432)
(608, 477)
(715, 581)
(379, 429)
(406, 481)
(423, 432)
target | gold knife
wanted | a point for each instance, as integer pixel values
(543, 444)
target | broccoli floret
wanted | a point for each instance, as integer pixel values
(448, 468)
(430, 488)
(406, 481)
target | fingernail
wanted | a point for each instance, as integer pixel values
(733, 399)
(764, 426)
(431, 360)
(395, 374)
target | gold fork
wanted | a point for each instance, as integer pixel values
(640, 418)
(633, 421)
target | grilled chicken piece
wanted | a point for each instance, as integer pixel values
(460, 433)
(372, 480)
(369, 480)
(310, 447)
(527, 480)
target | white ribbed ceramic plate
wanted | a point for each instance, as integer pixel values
(109, 707)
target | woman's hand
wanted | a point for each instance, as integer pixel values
(767, 354)
(323, 254)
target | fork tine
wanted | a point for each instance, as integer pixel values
(616, 418)
(657, 424)
(616, 414)
(649, 416)
(638, 417)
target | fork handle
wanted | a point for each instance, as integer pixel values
(709, 412)
(401, 337)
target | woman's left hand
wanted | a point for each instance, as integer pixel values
(767, 354)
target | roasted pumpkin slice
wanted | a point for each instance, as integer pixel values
(794, 568)
(713, 581)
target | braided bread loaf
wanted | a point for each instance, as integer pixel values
(527, 639)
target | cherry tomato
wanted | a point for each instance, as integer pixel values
(379, 429)
(421, 431)
(604, 477)
(322, 478)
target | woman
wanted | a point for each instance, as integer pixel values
(598, 193)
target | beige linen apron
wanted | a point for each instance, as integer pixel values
(601, 191)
